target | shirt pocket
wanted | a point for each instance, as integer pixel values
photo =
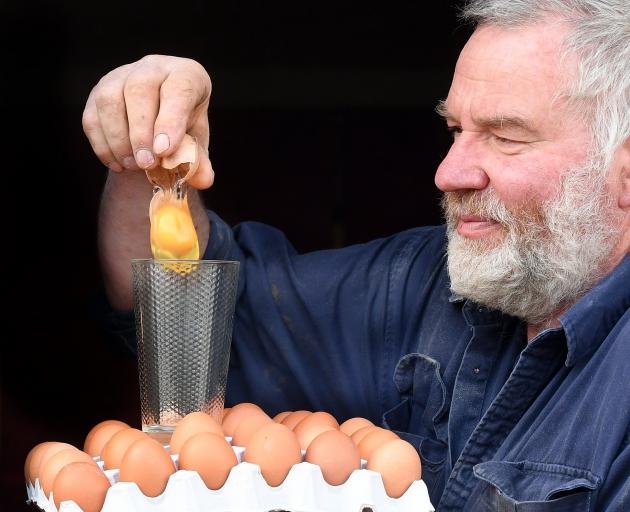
(420, 417)
(535, 487)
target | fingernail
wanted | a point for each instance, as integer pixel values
(144, 157)
(161, 143)
(113, 166)
(129, 163)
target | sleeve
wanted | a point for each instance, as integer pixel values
(310, 329)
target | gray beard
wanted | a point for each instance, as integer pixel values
(550, 255)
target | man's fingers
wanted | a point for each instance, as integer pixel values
(204, 176)
(184, 98)
(96, 137)
(112, 115)
(142, 97)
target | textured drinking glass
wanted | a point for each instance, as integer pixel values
(184, 312)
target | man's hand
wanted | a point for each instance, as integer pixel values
(142, 110)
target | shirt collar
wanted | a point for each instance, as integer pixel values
(588, 322)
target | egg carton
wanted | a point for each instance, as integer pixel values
(303, 490)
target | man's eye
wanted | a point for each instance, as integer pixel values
(454, 131)
(504, 141)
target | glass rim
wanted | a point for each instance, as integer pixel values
(187, 262)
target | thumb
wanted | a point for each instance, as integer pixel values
(204, 176)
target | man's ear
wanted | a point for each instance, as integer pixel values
(624, 192)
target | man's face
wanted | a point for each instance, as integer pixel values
(529, 214)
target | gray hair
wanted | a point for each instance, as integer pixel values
(600, 38)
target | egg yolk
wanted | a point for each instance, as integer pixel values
(173, 234)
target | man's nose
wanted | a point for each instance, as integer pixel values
(462, 167)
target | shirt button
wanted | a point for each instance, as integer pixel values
(476, 370)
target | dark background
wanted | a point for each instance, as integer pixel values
(322, 124)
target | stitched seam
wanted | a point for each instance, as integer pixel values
(394, 274)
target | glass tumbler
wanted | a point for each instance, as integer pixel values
(184, 311)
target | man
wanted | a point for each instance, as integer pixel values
(499, 345)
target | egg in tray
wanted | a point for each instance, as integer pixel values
(297, 460)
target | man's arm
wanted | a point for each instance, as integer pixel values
(123, 230)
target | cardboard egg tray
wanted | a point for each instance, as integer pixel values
(303, 490)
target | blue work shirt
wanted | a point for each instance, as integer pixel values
(373, 330)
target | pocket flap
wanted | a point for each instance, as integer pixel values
(535, 481)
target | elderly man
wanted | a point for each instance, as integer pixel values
(499, 345)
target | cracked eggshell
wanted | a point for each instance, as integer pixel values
(186, 157)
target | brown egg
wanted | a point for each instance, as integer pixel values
(48, 472)
(191, 424)
(115, 448)
(291, 420)
(373, 440)
(247, 427)
(83, 483)
(46, 453)
(34, 457)
(237, 414)
(350, 426)
(209, 455)
(317, 418)
(399, 465)
(336, 454)
(305, 436)
(361, 433)
(149, 465)
(100, 434)
(275, 449)
(280, 416)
